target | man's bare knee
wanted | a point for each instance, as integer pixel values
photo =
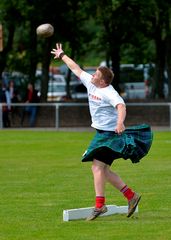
(98, 166)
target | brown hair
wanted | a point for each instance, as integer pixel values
(107, 74)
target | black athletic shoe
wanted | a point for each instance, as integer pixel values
(97, 212)
(132, 204)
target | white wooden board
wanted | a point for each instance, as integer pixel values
(83, 213)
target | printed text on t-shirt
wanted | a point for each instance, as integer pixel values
(94, 97)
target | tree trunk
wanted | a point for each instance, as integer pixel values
(168, 64)
(45, 69)
(115, 57)
(68, 78)
(7, 48)
(32, 51)
(158, 80)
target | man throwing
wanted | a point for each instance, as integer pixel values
(108, 112)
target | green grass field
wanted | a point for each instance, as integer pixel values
(41, 175)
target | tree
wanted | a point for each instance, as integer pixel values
(118, 30)
(120, 26)
(10, 18)
(168, 45)
(142, 22)
(155, 27)
(155, 19)
(67, 17)
(74, 31)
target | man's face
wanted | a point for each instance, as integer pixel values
(97, 78)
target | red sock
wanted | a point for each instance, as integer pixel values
(100, 201)
(127, 192)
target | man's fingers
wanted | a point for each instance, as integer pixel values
(58, 45)
(57, 50)
(53, 51)
(119, 131)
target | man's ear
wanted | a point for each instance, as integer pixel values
(102, 82)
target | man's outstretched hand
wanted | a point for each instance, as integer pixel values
(58, 51)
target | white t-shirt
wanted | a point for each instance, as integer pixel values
(102, 104)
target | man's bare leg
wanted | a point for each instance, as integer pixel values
(98, 169)
(114, 179)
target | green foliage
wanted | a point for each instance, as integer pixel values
(143, 53)
(41, 175)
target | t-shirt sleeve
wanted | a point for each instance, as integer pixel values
(85, 78)
(117, 101)
(114, 98)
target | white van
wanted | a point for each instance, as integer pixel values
(57, 91)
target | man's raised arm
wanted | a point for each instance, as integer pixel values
(59, 53)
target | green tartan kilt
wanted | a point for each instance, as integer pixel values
(134, 143)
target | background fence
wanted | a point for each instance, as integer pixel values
(58, 115)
